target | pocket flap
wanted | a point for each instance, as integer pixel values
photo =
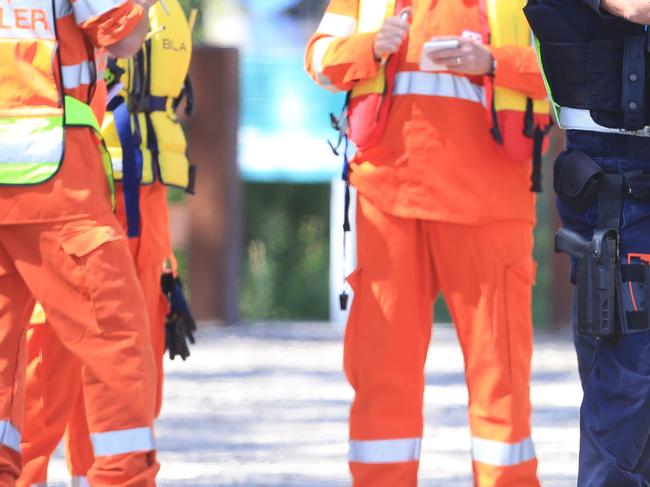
(83, 242)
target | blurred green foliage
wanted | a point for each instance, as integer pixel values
(286, 251)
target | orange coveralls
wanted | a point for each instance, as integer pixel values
(439, 211)
(54, 395)
(61, 244)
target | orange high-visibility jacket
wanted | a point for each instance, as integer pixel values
(436, 159)
(79, 188)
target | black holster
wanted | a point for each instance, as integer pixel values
(612, 298)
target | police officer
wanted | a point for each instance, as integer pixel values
(595, 58)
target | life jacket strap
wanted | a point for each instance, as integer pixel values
(130, 172)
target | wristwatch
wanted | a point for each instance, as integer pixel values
(493, 67)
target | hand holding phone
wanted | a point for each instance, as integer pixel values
(428, 64)
(463, 55)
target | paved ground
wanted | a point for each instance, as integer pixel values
(266, 405)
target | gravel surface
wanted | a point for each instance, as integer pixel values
(266, 405)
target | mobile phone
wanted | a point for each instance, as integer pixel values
(426, 64)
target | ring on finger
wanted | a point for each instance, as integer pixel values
(459, 61)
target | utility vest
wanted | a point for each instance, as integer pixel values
(35, 109)
(595, 67)
(154, 81)
(518, 124)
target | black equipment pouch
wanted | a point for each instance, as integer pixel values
(634, 296)
(576, 179)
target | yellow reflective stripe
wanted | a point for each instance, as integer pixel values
(337, 25)
(502, 454)
(27, 172)
(121, 442)
(385, 451)
(85, 10)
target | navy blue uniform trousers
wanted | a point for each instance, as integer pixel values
(615, 373)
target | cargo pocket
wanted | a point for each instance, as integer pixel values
(518, 286)
(350, 342)
(82, 242)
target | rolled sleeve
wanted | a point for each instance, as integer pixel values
(114, 25)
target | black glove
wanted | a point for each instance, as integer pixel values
(179, 324)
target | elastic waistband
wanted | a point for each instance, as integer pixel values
(609, 145)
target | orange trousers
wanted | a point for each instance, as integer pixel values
(54, 395)
(80, 271)
(485, 273)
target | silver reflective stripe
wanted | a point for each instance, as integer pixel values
(318, 56)
(502, 454)
(438, 84)
(85, 10)
(385, 451)
(78, 481)
(118, 164)
(42, 484)
(337, 25)
(9, 435)
(578, 119)
(319, 51)
(123, 441)
(30, 140)
(78, 74)
(63, 8)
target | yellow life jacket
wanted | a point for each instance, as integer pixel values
(372, 14)
(153, 81)
(370, 99)
(519, 124)
(508, 27)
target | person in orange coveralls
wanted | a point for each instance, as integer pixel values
(440, 210)
(54, 403)
(59, 240)
(55, 400)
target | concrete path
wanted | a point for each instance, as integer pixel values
(266, 405)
